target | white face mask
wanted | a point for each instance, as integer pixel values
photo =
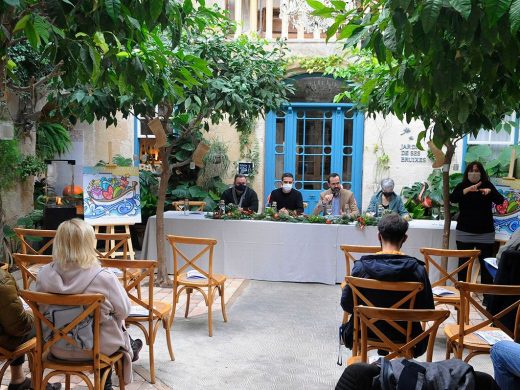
(286, 187)
(474, 177)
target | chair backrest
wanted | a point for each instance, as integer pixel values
(468, 300)
(115, 244)
(206, 245)
(26, 264)
(147, 268)
(198, 205)
(405, 294)
(348, 250)
(25, 236)
(368, 316)
(91, 307)
(433, 259)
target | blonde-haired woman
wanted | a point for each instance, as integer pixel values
(75, 269)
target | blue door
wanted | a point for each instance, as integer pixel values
(311, 140)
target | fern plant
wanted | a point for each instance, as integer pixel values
(52, 139)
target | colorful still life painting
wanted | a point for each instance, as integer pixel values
(111, 195)
(506, 216)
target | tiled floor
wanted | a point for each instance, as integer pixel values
(197, 308)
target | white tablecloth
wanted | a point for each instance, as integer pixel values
(281, 251)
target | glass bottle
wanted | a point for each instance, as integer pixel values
(274, 207)
(222, 207)
(186, 206)
(380, 210)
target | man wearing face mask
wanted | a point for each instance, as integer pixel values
(340, 200)
(388, 199)
(241, 195)
(475, 228)
(287, 197)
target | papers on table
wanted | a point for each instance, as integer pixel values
(492, 261)
(441, 292)
(194, 274)
(493, 336)
(138, 311)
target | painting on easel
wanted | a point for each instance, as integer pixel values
(111, 195)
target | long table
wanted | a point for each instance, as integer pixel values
(282, 251)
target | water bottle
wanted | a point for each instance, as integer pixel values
(380, 210)
(186, 207)
(274, 206)
(222, 207)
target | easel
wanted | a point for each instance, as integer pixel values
(111, 229)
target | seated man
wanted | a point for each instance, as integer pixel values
(390, 265)
(287, 197)
(387, 199)
(342, 201)
(241, 195)
(505, 356)
(16, 327)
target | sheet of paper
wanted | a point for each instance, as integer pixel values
(493, 336)
(492, 261)
(441, 292)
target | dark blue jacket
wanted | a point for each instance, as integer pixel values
(390, 268)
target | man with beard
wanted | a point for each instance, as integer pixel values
(241, 195)
(342, 201)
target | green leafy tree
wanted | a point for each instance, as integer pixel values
(454, 64)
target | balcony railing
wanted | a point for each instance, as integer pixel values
(271, 19)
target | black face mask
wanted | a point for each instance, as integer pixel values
(387, 194)
(240, 187)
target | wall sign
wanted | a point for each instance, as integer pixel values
(411, 154)
(245, 168)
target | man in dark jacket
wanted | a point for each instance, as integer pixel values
(241, 195)
(16, 327)
(390, 265)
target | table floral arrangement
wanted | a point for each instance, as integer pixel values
(365, 220)
(232, 212)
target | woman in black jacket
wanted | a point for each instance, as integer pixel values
(475, 228)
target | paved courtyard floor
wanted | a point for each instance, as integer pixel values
(278, 336)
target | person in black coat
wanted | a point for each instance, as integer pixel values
(475, 228)
(390, 265)
(287, 197)
(241, 195)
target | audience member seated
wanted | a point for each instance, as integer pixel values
(241, 195)
(508, 274)
(390, 265)
(16, 327)
(505, 356)
(340, 201)
(446, 374)
(75, 269)
(513, 243)
(387, 199)
(287, 197)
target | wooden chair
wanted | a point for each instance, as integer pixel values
(462, 335)
(179, 204)
(26, 348)
(4, 266)
(155, 312)
(433, 260)
(97, 360)
(348, 250)
(116, 245)
(25, 236)
(211, 280)
(29, 266)
(368, 316)
(406, 299)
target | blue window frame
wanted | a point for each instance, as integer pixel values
(312, 140)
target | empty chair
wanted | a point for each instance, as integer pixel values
(196, 205)
(208, 283)
(35, 241)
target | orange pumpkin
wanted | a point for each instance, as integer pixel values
(72, 190)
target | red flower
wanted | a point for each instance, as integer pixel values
(502, 208)
(427, 202)
(328, 221)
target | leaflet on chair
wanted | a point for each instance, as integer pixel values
(441, 292)
(493, 336)
(194, 274)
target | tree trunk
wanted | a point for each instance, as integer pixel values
(162, 271)
(450, 150)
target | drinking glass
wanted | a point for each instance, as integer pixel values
(328, 209)
(435, 213)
